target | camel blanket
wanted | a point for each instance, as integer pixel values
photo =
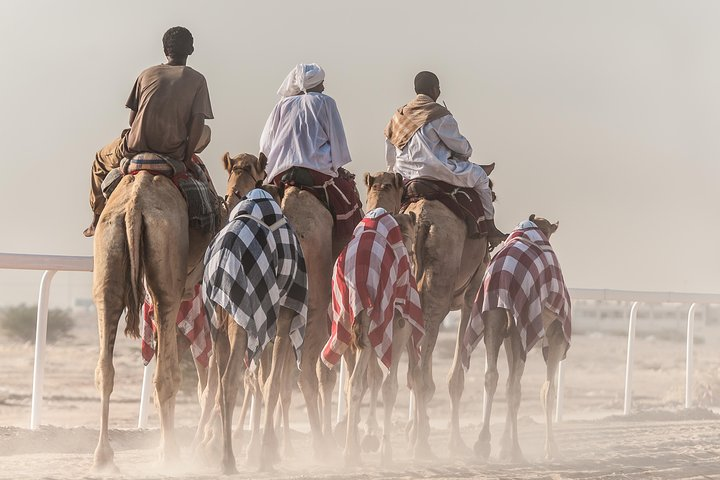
(372, 274)
(523, 277)
(254, 266)
(191, 321)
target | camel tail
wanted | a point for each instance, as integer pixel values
(422, 233)
(133, 226)
(357, 334)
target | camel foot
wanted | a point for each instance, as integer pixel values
(386, 455)
(254, 450)
(458, 447)
(103, 460)
(482, 449)
(370, 443)
(552, 452)
(229, 467)
(352, 458)
(423, 451)
(512, 455)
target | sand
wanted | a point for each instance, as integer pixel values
(659, 439)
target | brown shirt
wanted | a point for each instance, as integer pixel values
(166, 97)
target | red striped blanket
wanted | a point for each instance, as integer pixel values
(523, 277)
(373, 274)
(191, 321)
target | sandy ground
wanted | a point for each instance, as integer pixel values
(659, 440)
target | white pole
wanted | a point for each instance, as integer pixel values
(630, 358)
(341, 391)
(689, 356)
(411, 406)
(145, 394)
(40, 343)
(560, 381)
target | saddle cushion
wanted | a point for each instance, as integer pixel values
(464, 202)
(339, 195)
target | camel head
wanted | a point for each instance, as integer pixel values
(408, 227)
(245, 172)
(544, 225)
(384, 189)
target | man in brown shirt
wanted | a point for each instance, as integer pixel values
(168, 107)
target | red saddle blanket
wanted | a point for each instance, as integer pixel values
(339, 195)
(462, 201)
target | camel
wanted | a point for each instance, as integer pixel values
(500, 327)
(449, 269)
(313, 224)
(143, 232)
(230, 344)
(365, 358)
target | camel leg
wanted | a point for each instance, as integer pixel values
(247, 394)
(109, 302)
(258, 380)
(271, 391)
(231, 365)
(401, 337)
(286, 389)
(352, 447)
(327, 378)
(557, 346)
(411, 427)
(424, 385)
(208, 411)
(309, 386)
(510, 444)
(370, 441)
(456, 376)
(494, 332)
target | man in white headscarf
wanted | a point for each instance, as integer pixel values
(304, 142)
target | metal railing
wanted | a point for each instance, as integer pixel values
(51, 264)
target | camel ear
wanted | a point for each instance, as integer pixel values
(532, 217)
(398, 181)
(369, 179)
(262, 162)
(227, 162)
(413, 218)
(554, 227)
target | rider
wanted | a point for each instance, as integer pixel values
(423, 140)
(305, 130)
(168, 107)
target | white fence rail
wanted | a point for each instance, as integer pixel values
(52, 264)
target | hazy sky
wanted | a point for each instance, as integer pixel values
(602, 114)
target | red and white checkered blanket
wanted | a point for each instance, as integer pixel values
(191, 321)
(373, 274)
(523, 277)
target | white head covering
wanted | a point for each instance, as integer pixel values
(300, 78)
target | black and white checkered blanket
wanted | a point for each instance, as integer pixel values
(254, 266)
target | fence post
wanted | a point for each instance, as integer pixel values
(630, 358)
(341, 390)
(560, 383)
(689, 356)
(145, 394)
(40, 343)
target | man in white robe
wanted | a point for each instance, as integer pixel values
(305, 145)
(423, 140)
(304, 129)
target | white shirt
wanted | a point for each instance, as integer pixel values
(304, 131)
(438, 151)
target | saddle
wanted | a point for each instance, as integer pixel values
(202, 201)
(464, 202)
(338, 194)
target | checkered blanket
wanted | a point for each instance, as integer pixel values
(523, 277)
(191, 321)
(254, 266)
(373, 274)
